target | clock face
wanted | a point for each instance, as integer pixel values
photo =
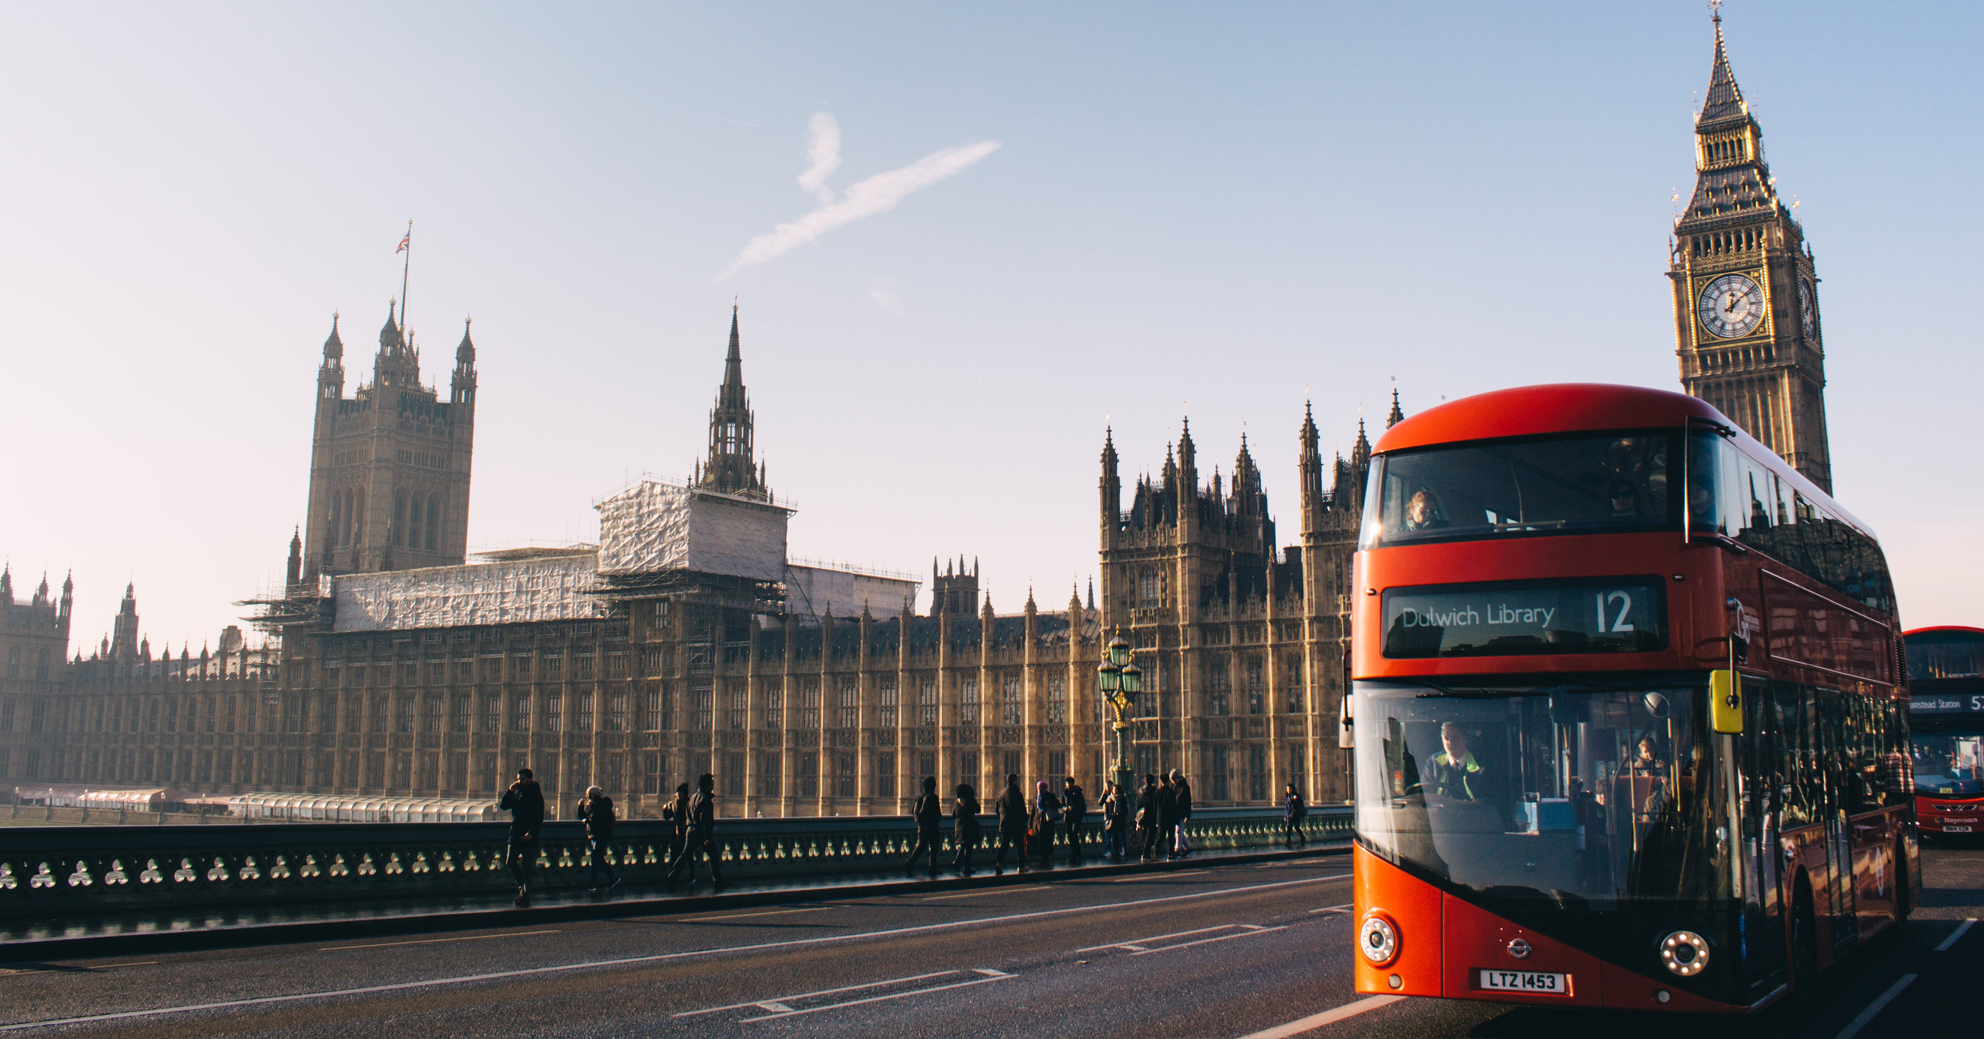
(1731, 307)
(1808, 311)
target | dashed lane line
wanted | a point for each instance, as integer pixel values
(776, 1001)
(1252, 930)
(1126, 943)
(1327, 1017)
(990, 976)
(1159, 876)
(741, 916)
(1344, 908)
(823, 939)
(1867, 1016)
(436, 941)
(1957, 934)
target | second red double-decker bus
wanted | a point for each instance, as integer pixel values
(1628, 715)
(1946, 719)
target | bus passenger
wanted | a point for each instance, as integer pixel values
(1423, 512)
(1455, 773)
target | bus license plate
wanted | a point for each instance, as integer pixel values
(1526, 981)
(1948, 828)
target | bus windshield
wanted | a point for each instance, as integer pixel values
(1555, 485)
(1557, 795)
(1949, 764)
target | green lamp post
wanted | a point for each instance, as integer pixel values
(1118, 680)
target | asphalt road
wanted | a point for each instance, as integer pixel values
(1218, 950)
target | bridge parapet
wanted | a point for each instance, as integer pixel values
(51, 871)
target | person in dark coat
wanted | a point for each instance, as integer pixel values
(929, 825)
(1150, 815)
(1012, 824)
(1046, 813)
(676, 814)
(1076, 808)
(525, 803)
(1293, 811)
(596, 811)
(964, 821)
(1181, 814)
(1115, 820)
(1167, 819)
(701, 838)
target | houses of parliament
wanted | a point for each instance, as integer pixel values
(399, 667)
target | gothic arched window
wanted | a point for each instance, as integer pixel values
(399, 519)
(433, 519)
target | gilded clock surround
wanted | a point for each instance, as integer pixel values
(1764, 370)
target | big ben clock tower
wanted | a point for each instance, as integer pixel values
(1746, 304)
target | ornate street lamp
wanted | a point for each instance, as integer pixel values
(1118, 680)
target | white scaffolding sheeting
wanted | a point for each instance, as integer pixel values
(814, 590)
(523, 591)
(655, 527)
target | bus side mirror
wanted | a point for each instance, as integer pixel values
(1346, 731)
(1725, 701)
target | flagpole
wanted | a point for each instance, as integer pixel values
(404, 269)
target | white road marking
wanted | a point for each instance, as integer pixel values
(1125, 944)
(979, 891)
(741, 916)
(435, 941)
(1154, 876)
(1344, 908)
(810, 995)
(878, 999)
(1327, 1017)
(1252, 931)
(653, 958)
(990, 973)
(1956, 934)
(774, 1007)
(51, 970)
(1866, 1017)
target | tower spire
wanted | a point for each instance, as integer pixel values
(730, 469)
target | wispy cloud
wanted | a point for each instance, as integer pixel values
(877, 194)
(823, 155)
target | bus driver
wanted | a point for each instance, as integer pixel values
(1456, 775)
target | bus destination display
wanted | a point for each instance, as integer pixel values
(1525, 618)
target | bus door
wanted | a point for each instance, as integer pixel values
(1833, 747)
(1759, 757)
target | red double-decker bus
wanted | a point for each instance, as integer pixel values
(1628, 713)
(1946, 719)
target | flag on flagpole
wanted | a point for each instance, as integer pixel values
(404, 243)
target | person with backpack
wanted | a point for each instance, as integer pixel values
(596, 811)
(1012, 824)
(524, 800)
(929, 815)
(1292, 813)
(701, 837)
(1046, 813)
(1076, 809)
(964, 832)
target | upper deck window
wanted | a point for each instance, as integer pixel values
(1558, 485)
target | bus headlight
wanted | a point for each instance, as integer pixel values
(1377, 939)
(1685, 953)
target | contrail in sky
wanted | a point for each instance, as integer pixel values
(877, 194)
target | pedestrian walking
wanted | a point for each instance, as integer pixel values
(596, 811)
(1181, 809)
(701, 836)
(964, 823)
(1115, 820)
(1167, 820)
(676, 814)
(1149, 816)
(525, 803)
(929, 826)
(1046, 814)
(1012, 824)
(1293, 811)
(1074, 810)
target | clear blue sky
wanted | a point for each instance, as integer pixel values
(1218, 207)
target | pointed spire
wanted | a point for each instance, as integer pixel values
(1398, 414)
(7, 585)
(465, 353)
(390, 336)
(334, 344)
(1725, 99)
(1091, 592)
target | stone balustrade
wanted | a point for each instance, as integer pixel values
(58, 870)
